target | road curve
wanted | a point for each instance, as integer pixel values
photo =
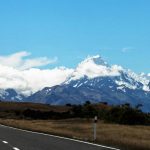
(16, 139)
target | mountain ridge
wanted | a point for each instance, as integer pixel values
(111, 84)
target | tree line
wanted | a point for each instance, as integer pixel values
(121, 114)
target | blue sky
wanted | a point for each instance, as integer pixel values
(72, 29)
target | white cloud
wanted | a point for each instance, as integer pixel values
(94, 67)
(127, 49)
(20, 61)
(31, 80)
(20, 74)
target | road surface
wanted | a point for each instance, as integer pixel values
(15, 139)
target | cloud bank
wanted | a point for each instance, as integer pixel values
(21, 61)
(19, 72)
(22, 73)
(127, 49)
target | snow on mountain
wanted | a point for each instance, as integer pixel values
(95, 66)
(10, 95)
(140, 78)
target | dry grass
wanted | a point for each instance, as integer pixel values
(8, 110)
(13, 106)
(120, 136)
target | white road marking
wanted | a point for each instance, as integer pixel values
(15, 148)
(5, 142)
(112, 148)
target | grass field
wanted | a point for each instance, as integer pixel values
(119, 136)
(13, 106)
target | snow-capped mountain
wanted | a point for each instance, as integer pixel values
(96, 81)
(10, 95)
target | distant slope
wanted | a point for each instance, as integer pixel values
(10, 95)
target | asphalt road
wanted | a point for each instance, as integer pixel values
(14, 139)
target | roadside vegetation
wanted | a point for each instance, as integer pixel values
(124, 137)
(118, 126)
(122, 114)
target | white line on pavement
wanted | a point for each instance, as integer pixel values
(15, 148)
(5, 142)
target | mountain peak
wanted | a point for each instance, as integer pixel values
(97, 59)
(93, 67)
